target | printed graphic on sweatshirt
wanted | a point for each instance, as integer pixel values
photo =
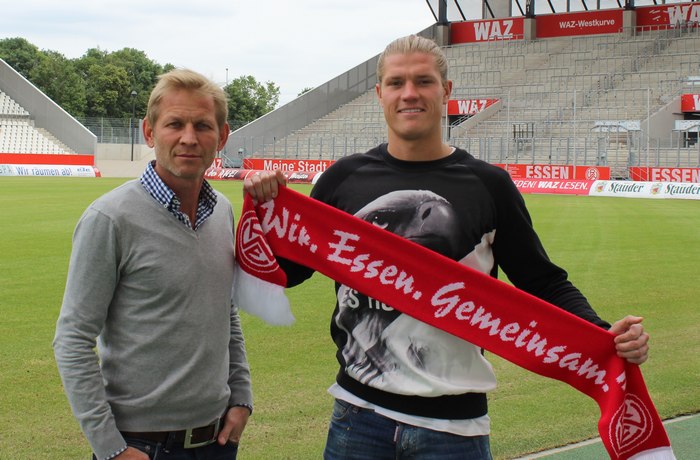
(395, 352)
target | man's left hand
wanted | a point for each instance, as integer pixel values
(631, 341)
(264, 185)
(234, 424)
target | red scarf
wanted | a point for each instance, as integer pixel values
(450, 296)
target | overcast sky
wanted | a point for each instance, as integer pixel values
(293, 43)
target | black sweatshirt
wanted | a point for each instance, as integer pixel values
(466, 209)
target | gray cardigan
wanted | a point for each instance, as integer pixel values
(155, 296)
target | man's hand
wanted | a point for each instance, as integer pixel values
(631, 342)
(132, 454)
(264, 185)
(234, 424)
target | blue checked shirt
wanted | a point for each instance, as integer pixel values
(166, 197)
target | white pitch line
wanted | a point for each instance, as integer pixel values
(588, 442)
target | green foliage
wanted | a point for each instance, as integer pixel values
(627, 255)
(19, 54)
(111, 77)
(55, 75)
(105, 86)
(305, 90)
(249, 99)
(99, 83)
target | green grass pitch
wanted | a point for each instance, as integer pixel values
(627, 255)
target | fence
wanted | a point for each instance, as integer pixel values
(119, 130)
(113, 130)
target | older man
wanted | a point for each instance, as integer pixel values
(149, 283)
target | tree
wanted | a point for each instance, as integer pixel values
(57, 77)
(136, 73)
(100, 83)
(108, 91)
(19, 54)
(143, 75)
(249, 99)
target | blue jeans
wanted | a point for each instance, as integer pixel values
(157, 451)
(361, 434)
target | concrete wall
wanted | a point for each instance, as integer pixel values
(661, 123)
(114, 160)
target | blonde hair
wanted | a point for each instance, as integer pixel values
(188, 80)
(414, 44)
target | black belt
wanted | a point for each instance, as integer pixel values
(190, 438)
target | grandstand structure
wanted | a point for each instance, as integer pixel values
(18, 133)
(604, 100)
(607, 100)
(31, 123)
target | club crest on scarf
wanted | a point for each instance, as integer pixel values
(631, 425)
(253, 251)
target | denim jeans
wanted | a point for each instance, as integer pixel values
(157, 451)
(361, 434)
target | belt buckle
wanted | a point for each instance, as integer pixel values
(188, 444)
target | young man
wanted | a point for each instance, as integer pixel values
(149, 282)
(405, 389)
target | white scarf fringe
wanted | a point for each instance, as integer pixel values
(260, 298)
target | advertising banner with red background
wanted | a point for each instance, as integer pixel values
(46, 159)
(658, 174)
(482, 31)
(659, 17)
(52, 165)
(557, 186)
(566, 172)
(675, 183)
(653, 17)
(299, 177)
(690, 103)
(287, 165)
(468, 106)
(516, 171)
(580, 23)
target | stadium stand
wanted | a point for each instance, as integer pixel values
(590, 100)
(18, 134)
(31, 123)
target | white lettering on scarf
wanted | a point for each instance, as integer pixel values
(448, 299)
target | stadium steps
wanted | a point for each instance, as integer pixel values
(18, 133)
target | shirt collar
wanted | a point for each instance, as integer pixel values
(154, 185)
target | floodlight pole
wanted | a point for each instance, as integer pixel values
(131, 121)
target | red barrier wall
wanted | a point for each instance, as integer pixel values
(46, 159)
